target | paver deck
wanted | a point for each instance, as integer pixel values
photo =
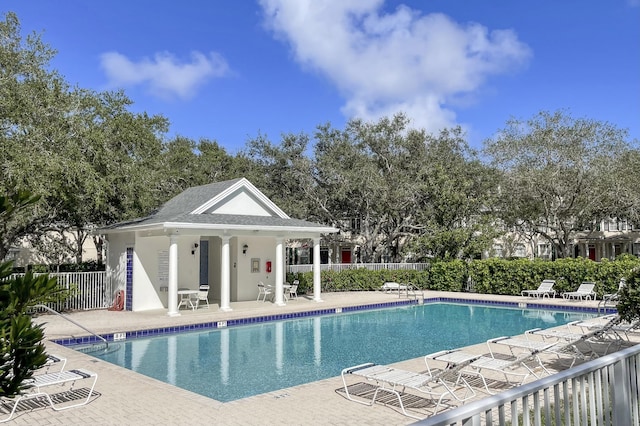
(128, 398)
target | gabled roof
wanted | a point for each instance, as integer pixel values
(230, 205)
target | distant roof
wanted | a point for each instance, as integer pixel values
(199, 207)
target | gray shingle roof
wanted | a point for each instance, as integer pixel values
(178, 211)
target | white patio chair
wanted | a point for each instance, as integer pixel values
(263, 291)
(203, 295)
(585, 291)
(293, 290)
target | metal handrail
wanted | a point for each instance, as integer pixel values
(73, 322)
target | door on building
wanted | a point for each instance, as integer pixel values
(345, 255)
(592, 252)
(324, 256)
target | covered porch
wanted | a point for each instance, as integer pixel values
(228, 236)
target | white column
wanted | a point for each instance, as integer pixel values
(225, 276)
(279, 272)
(316, 271)
(173, 277)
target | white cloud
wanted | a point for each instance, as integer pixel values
(391, 62)
(163, 75)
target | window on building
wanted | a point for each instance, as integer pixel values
(355, 225)
(520, 250)
(498, 250)
(544, 251)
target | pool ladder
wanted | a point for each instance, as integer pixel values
(412, 291)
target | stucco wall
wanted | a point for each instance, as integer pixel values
(151, 269)
(117, 259)
(259, 248)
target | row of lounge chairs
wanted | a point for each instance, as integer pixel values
(451, 375)
(584, 292)
(51, 378)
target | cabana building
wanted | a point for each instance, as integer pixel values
(227, 235)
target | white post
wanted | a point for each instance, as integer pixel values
(317, 287)
(279, 273)
(225, 276)
(173, 277)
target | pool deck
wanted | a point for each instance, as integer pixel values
(125, 397)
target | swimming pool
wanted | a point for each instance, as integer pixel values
(232, 363)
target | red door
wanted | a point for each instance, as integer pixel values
(592, 253)
(346, 256)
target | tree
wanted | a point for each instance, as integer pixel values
(629, 299)
(92, 161)
(284, 172)
(21, 348)
(29, 96)
(456, 197)
(382, 184)
(560, 175)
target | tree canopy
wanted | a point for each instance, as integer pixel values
(562, 175)
(396, 191)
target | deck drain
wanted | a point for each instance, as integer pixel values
(282, 395)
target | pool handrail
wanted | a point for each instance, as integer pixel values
(53, 311)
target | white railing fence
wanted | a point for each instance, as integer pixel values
(604, 391)
(337, 267)
(90, 290)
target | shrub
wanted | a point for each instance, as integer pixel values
(629, 299)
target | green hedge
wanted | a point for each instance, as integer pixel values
(490, 276)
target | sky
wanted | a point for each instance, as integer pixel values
(232, 70)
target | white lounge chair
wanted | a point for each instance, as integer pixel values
(544, 290)
(37, 385)
(611, 299)
(389, 379)
(263, 291)
(536, 347)
(54, 362)
(390, 287)
(475, 364)
(621, 327)
(585, 291)
(597, 341)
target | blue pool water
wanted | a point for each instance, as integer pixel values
(233, 363)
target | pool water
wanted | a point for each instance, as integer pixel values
(233, 363)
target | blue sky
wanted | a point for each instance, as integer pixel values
(229, 70)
